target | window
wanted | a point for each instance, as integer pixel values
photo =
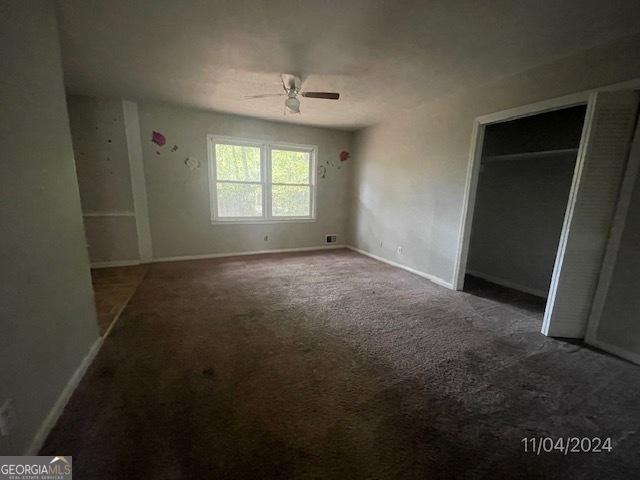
(261, 182)
(290, 183)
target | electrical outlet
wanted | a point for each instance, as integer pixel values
(400, 250)
(331, 239)
(8, 417)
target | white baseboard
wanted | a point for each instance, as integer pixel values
(509, 284)
(428, 276)
(237, 254)
(58, 407)
(115, 263)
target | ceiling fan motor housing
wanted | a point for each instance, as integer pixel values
(292, 102)
(292, 85)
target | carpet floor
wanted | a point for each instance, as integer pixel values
(333, 365)
(112, 288)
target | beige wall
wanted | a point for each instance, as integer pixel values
(102, 163)
(520, 207)
(410, 171)
(111, 239)
(178, 198)
(47, 317)
(100, 149)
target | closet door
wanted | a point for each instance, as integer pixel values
(614, 323)
(592, 202)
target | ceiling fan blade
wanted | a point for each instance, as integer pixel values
(265, 95)
(323, 95)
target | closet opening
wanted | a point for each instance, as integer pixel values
(525, 176)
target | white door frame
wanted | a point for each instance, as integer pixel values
(475, 157)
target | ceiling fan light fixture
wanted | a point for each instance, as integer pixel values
(293, 104)
(292, 84)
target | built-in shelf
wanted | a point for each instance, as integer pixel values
(109, 214)
(525, 155)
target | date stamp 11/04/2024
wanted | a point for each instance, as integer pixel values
(566, 445)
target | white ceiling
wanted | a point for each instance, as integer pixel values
(380, 55)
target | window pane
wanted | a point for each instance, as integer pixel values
(239, 163)
(239, 200)
(290, 167)
(291, 201)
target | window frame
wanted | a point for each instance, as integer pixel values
(265, 180)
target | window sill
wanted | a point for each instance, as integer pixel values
(261, 222)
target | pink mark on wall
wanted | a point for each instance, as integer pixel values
(158, 138)
(344, 156)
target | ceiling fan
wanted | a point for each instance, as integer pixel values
(292, 88)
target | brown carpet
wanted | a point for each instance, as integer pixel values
(112, 288)
(333, 365)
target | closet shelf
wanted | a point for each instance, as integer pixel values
(525, 155)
